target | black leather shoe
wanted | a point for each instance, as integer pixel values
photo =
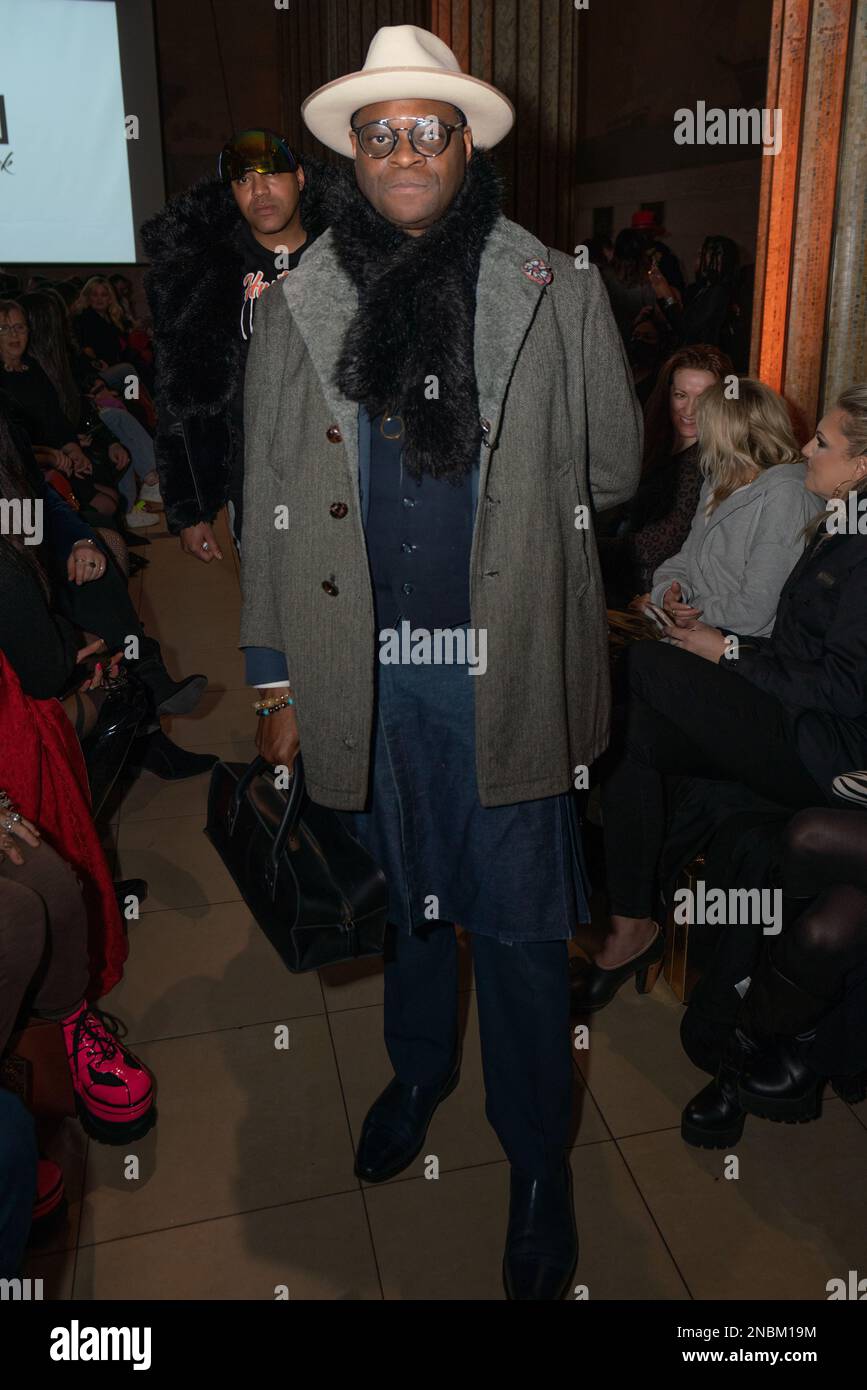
(157, 754)
(396, 1127)
(778, 1085)
(593, 986)
(542, 1239)
(714, 1119)
(180, 697)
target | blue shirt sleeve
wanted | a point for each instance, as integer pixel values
(264, 665)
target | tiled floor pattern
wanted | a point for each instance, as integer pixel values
(246, 1183)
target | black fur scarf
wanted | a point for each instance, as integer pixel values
(416, 320)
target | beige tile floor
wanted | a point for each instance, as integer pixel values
(246, 1184)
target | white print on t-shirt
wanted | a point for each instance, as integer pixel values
(254, 286)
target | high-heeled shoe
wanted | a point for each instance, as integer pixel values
(593, 986)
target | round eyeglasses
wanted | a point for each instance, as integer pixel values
(428, 135)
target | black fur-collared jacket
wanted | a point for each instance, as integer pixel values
(193, 287)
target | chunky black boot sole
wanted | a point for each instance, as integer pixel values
(798, 1111)
(701, 1138)
(385, 1174)
(105, 1133)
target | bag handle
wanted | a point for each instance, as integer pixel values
(290, 817)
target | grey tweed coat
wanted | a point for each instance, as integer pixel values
(563, 435)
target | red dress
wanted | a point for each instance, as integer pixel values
(42, 771)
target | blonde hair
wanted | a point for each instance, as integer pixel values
(115, 312)
(742, 436)
(853, 404)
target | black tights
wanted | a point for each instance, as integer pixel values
(825, 860)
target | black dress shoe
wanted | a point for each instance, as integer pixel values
(714, 1119)
(778, 1085)
(396, 1127)
(542, 1239)
(593, 986)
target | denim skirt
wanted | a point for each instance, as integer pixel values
(511, 872)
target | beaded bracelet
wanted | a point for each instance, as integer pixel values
(264, 708)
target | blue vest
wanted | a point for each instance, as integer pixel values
(419, 537)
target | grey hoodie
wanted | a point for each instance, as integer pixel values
(733, 564)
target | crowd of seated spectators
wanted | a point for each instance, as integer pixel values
(83, 691)
(741, 733)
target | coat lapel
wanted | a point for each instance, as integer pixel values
(506, 302)
(323, 302)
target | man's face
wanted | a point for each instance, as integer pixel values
(411, 190)
(268, 201)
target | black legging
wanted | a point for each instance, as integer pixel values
(825, 861)
(688, 717)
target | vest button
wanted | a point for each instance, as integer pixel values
(408, 588)
(338, 510)
(334, 436)
(331, 589)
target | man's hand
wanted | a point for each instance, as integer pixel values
(277, 737)
(201, 542)
(681, 613)
(701, 639)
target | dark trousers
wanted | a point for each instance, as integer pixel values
(522, 991)
(690, 718)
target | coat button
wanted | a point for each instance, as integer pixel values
(330, 588)
(334, 436)
(486, 432)
(338, 510)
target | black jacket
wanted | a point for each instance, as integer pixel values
(193, 290)
(815, 661)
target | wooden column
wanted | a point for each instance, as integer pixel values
(807, 84)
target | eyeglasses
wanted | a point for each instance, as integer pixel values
(18, 328)
(428, 136)
(261, 150)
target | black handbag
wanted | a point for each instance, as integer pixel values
(313, 889)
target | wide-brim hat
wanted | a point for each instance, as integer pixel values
(405, 63)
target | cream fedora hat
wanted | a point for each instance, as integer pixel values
(410, 64)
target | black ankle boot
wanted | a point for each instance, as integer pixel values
(714, 1119)
(542, 1239)
(157, 754)
(396, 1127)
(777, 1083)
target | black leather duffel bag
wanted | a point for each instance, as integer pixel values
(315, 892)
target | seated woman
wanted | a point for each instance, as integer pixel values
(782, 715)
(51, 593)
(769, 1066)
(103, 426)
(106, 335)
(663, 508)
(53, 436)
(749, 526)
(45, 965)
